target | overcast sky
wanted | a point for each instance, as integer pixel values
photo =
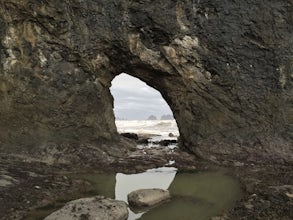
(134, 99)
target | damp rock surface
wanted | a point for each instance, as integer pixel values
(147, 197)
(95, 208)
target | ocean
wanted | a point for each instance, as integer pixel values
(161, 128)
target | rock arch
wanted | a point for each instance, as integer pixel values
(225, 71)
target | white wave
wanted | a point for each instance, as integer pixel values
(154, 127)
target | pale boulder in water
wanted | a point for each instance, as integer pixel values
(94, 208)
(147, 197)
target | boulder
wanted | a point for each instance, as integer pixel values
(128, 135)
(94, 208)
(144, 141)
(147, 197)
(165, 142)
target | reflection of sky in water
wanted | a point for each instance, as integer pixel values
(153, 178)
(195, 195)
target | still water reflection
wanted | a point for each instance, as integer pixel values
(195, 195)
(154, 178)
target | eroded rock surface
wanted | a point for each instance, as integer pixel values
(224, 67)
(95, 208)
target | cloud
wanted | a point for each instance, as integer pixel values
(134, 99)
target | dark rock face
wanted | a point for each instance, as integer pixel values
(132, 136)
(224, 67)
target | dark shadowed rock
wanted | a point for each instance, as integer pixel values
(143, 141)
(165, 142)
(132, 136)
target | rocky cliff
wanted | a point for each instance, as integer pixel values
(224, 67)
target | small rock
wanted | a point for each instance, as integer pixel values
(248, 206)
(4, 183)
(143, 141)
(37, 187)
(238, 164)
(165, 142)
(147, 197)
(213, 158)
(7, 180)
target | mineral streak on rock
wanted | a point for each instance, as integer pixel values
(224, 67)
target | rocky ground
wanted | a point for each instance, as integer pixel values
(26, 184)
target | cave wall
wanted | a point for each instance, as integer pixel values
(224, 67)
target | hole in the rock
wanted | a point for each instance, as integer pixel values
(142, 114)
